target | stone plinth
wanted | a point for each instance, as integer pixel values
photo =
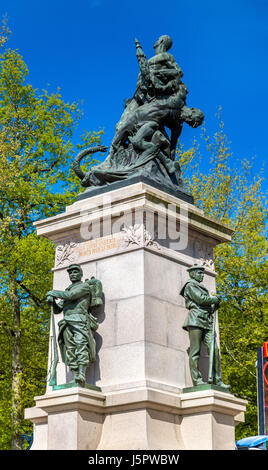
(69, 419)
(127, 239)
(141, 418)
(209, 419)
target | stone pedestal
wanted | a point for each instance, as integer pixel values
(138, 241)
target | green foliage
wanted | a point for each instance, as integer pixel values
(35, 182)
(228, 191)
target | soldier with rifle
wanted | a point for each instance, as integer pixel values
(200, 324)
(75, 339)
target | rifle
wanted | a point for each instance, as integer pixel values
(53, 374)
(212, 350)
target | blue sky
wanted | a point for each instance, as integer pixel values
(87, 49)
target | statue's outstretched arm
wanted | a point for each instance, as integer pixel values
(73, 294)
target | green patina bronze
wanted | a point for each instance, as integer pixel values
(76, 330)
(201, 388)
(147, 134)
(200, 324)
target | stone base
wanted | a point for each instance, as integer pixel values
(67, 419)
(209, 419)
(135, 419)
(142, 351)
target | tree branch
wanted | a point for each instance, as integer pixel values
(37, 301)
(5, 327)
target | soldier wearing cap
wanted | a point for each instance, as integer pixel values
(76, 341)
(199, 322)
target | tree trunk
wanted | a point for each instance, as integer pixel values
(17, 409)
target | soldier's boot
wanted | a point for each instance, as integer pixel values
(218, 377)
(81, 378)
(196, 374)
(199, 381)
(75, 373)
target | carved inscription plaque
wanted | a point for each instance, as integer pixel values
(98, 245)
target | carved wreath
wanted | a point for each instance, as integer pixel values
(205, 255)
(138, 235)
(64, 253)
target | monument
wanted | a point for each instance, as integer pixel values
(129, 375)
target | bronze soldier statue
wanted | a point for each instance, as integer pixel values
(200, 325)
(75, 339)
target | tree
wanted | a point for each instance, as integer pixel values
(35, 182)
(229, 192)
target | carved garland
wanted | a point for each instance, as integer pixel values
(138, 235)
(65, 253)
(205, 255)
